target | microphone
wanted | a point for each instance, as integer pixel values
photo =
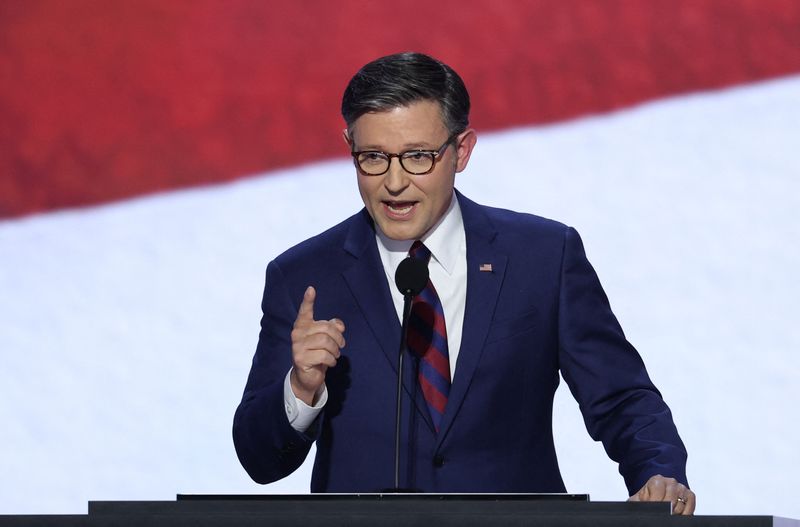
(410, 278)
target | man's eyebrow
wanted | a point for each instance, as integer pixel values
(419, 145)
(368, 147)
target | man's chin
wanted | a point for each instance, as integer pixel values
(399, 232)
(401, 237)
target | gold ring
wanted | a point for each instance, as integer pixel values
(681, 500)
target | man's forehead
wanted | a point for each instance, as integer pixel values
(413, 122)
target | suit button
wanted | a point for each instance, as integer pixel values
(438, 460)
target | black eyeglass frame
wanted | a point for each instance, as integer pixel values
(435, 155)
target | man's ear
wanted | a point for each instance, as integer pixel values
(346, 137)
(465, 142)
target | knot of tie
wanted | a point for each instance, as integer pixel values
(418, 251)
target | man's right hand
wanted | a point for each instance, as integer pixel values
(316, 346)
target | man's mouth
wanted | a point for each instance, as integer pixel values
(399, 209)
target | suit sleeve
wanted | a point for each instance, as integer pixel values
(621, 407)
(267, 445)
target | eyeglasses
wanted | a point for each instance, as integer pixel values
(416, 162)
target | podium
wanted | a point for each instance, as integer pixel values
(384, 510)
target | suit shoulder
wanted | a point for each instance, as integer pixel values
(323, 247)
(509, 219)
(523, 228)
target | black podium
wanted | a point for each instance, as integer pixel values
(384, 510)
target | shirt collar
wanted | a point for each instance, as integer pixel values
(443, 240)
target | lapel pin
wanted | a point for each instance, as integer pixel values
(487, 268)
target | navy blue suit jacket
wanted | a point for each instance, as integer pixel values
(541, 309)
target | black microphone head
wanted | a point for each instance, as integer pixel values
(411, 276)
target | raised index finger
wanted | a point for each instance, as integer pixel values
(306, 311)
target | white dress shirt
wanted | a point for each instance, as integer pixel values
(448, 272)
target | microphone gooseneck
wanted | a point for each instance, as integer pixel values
(411, 278)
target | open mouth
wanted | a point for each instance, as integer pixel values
(399, 209)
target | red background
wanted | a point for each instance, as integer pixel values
(102, 100)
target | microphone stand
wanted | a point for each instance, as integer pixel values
(407, 299)
(410, 277)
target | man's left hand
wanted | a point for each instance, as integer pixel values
(659, 488)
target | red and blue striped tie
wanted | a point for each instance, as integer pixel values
(427, 338)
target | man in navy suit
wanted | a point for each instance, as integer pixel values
(518, 302)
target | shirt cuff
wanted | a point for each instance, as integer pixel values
(300, 414)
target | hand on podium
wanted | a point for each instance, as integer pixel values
(659, 488)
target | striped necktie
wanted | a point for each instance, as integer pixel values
(427, 339)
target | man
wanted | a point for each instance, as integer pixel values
(511, 301)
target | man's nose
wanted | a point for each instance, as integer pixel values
(396, 178)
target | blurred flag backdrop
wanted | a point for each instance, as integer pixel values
(155, 155)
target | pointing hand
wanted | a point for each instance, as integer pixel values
(316, 346)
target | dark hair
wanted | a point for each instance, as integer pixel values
(404, 78)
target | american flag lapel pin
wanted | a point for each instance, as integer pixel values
(486, 268)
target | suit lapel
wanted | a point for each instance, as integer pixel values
(367, 282)
(483, 289)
